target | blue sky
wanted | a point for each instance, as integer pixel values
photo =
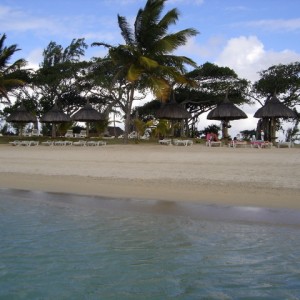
(247, 36)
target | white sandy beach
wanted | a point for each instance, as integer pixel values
(246, 176)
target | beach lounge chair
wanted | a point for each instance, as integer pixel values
(285, 144)
(212, 140)
(15, 143)
(260, 144)
(82, 134)
(167, 142)
(48, 143)
(183, 142)
(132, 135)
(80, 143)
(69, 133)
(29, 143)
(236, 144)
(95, 143)
(35, 132)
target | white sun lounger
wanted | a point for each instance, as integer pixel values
(183, 142)
(80, 143)
(29, 143)
(166, 142)
(15, 143)
(95, 143)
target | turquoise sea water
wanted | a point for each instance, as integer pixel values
(70, 247)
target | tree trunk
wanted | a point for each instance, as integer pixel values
(128, 114)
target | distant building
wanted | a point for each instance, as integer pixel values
(114, 131)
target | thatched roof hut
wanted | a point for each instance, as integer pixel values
(21, 115)
(55, 115)
(226, 111)
(273, 108)
(172, 111)
(87, 114)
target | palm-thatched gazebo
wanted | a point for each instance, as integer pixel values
(21, 116)
(172, 111)
(55, 116)
(272, 110)
(87, 114)
(226, 111)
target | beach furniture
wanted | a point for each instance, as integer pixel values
(236, 144)
(80, 143)
(69, 133)
(62, 143)
(29, 143)
(183, 142)
(15, 143)
(166, 142)
(48, 143)
(82, 134)
(35, 132)
(95, 143)
(285, 144)
(261, 144)
(213, 143)
(132, 135)
(212, 140)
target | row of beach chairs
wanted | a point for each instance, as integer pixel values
(175, 142)
(58, 143)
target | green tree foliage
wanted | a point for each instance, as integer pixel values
(211, 129)
(284, 80)
(212, 84)
(60, 77)
(146, 60)
(12, 75)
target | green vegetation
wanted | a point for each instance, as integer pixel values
(145, 64)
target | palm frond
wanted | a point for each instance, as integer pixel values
(126, 30)
(148, 63)
(101, 44)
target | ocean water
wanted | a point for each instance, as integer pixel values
(69, 247)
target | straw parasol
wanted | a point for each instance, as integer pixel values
(21, 116)
(172, 111)
(272, 110)
(87, 114)
(226, 111)
(55, 116)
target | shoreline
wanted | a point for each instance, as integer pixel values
(238, 177)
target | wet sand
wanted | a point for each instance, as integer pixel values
(197, 174)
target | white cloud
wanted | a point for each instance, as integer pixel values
(34, 58)
(276, 24)
(247, 56)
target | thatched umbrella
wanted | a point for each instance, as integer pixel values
(272, 110)
(225, 112)
(21, 116)
(172, 111)
(87, 114)
(55, 116)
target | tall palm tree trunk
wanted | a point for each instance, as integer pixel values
(128, 114)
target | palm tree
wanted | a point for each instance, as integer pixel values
(146, 60)
(11, 75)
